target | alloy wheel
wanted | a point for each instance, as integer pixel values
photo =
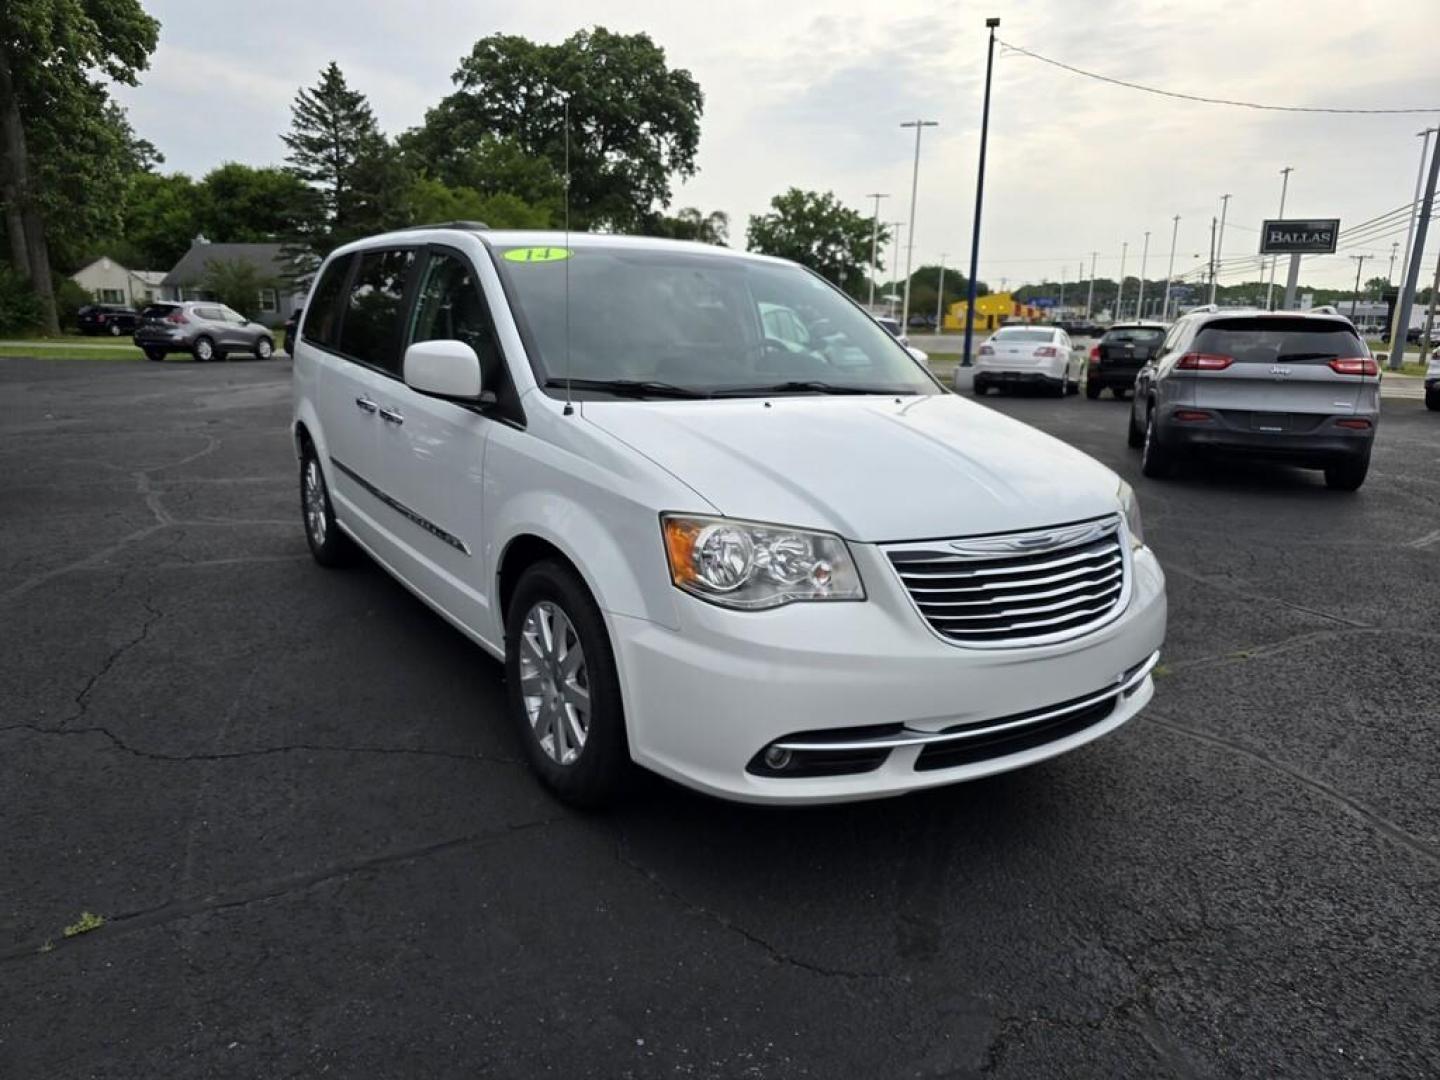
(315, 502)
(554, 683)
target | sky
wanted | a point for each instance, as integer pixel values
(811, 94)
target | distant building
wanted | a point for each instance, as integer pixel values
(108, 282)
(275, 303)
(992, 312)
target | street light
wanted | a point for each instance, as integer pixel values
(1170, 274)
(1219, 243)
(965, 360)
(1144, 255)
(895, 266)
(940, 299)
(918, 125)
(1275, 260)
(1120, 293)
(874, 242)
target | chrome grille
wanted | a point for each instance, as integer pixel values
(1018, 588)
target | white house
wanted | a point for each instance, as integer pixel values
(110, 283)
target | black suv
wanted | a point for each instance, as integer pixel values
(1119, 356)
(109, 319)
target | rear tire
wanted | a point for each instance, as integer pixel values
(980, 389)
(1156, 461)
(204, 350)
(1432, 399)
(1120, 393)
(1061, 388)
(328, 544)
(114, 329)
(264, 349)
(1348, 475)
(155, 354)
(553, 693)
(1092, 390)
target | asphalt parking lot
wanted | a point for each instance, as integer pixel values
(289, 795)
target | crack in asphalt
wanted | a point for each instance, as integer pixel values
(82, 699)
(668, 892)
(264, 751)
(255, 892)
(1250, 594)
(1327, 792)
(1246, 653)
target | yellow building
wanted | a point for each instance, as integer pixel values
(991, 312)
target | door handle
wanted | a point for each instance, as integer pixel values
(391, 416)
(366, 404)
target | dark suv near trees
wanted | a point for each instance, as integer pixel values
(1118, 357)
(111, 319)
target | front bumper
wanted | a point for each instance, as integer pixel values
(704, 700)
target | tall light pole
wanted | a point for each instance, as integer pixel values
(1061, 305)
(1144, 255)
(940, 299)
(1395, 327)
(1412, 271)
(1275, 259)
(1390, 274)
(1213, 268)
(1120, 295)
(875, 242)
(965, 360)
(1220, 239)
(895, 267)
(918, 125)
(1170, 273)
(1090, 296)
(1355, 296)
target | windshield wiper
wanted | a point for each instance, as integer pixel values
(638, 388)
(799, 386)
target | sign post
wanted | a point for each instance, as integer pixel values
(1296, 237)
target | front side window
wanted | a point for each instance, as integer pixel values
(450, 306)
(322, 323)
(705, 324)
(371, 330)
(231, 315)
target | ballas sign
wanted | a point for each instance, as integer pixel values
(1299, 237)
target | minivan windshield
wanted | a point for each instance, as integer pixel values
(657, 322)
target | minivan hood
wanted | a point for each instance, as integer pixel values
(874, 469)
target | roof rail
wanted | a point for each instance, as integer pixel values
(471, 226)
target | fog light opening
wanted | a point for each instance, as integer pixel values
(777, 758)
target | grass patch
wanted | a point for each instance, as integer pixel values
(56, 351)
(84, 924)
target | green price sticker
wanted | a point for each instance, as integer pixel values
(537, 254)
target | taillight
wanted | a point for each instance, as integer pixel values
(1356, 424)
(177, 317)
(1191, 415)
(987, 350)
(1199, 361)
(1047, 350)
(1094, 354)
(1354, 365)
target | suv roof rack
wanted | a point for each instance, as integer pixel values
(471, 226)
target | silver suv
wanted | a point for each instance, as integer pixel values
(206, 330)
(1285, 386)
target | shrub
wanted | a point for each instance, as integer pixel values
(19, 309)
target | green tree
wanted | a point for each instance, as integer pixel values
(236, 282)
(817, 231)
(52, 57)
(336, 148)
(240, 203)
(432, 201)
(159, 216)
(689, 223)
(925, 289)
(633, 121)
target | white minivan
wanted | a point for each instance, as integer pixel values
(716, 522)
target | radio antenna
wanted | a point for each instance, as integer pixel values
(569, 405)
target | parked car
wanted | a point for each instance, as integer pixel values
(1117, 357)
(109, 319)
(1028, 356)
(205, 330)
(1292, 387)
(1432, 383)
(691, 530)
(892, 326)
(292, 329)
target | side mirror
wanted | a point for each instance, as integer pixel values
(447, 369)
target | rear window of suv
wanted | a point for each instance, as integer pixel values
(1273, 340)
(1140, 335)
(159, 311)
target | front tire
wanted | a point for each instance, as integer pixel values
(1156, 461)
(1348, 475)
(1134, 435)
(563, 689)
(328, 544)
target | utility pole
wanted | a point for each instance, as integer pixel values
(1220, 239)
(1061, 305)
(1430, 315)
(874, 243)
(1355, 296)
(1120, 293)
(918, 125)
(1412, 271)
(965, 360)
(940, 299)
(1213, 223)
(1090, 296)
(1170, 273)
(1144, 256)
(1390, 274)
(1410, 229)
(895, 269)
(1275, 259)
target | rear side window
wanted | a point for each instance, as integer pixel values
(159, 311)
(210, 314)
(322, 321)
(1279, 340)
(370, 332)
(1139, 335)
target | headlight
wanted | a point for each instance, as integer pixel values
(1130, 507)
(739, 564)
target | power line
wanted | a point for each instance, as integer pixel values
(1208, 100)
